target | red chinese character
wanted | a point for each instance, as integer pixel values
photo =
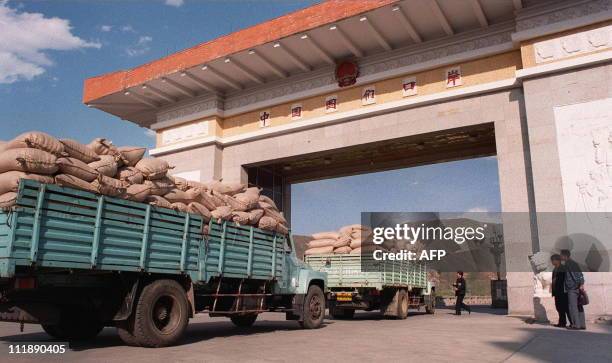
(453, 76)
(408, 86)
(330, 104)
(296, 111)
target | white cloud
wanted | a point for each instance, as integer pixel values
(127, 29)
(26, 37)
(150, 133)
(106, 28)
(175, 3)
(142, 46)
(478, 210)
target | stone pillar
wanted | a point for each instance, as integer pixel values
(202, 163)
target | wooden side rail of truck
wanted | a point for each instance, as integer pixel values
(390, 286)
(76, 262)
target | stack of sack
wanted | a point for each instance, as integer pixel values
(103, 168)
(347, 240)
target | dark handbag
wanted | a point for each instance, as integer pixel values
(583, 298)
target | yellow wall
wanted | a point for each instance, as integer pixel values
(495, 68)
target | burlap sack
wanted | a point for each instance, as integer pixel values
(227, 188)
(197, 208)
(160, 186)
(107, 165)
(273, 213)
(158, 201)
(103, 146)
(222, 213)
(240, 217)
(71, 181)
(9, 181)
(2, 146)
(355, 243)
(76, 150)
(181, 183)
(249, 199)
(215, 198)
(282, 229)
(268, 201)
(153, 168)
(321, 243)
(131, 155)
(37, 140)
(342, 250)
(255, 215)
(131, 175)
(342, 242)
(253, 190)
(326, 235)
(267, 223)
(28, 160)
(8, 200)
(196, 184)
(137, 192)
(76, 167)
(356, 251)
(110, 186)
(319, 250)
(235, 204)
(176, 195)
(181, 207)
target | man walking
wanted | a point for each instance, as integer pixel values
(574, 283)
(558, 291)
(460, 289)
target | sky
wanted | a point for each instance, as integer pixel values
(47, 49)
(460, 186)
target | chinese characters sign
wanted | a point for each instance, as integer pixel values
(453, 77)
(331, 103)
(264, 119)
(368, 95)
(409, 86)
(296, 111)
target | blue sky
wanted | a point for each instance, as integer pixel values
(47, 49)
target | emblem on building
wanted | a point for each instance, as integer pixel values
(347, 73)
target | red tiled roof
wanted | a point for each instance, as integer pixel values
(327, 12)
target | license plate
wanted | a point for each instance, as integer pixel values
(344, 297)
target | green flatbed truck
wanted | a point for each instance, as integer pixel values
(76, 262)
(392, 287)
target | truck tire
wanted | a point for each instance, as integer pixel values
(430, 308)
(314, 308)
(75, 325)
(243, 321)
(161, 315)
(402, 304)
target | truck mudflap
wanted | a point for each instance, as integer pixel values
(35, 313)
(298, 308)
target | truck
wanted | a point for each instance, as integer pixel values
(76, 262)
(357, 282)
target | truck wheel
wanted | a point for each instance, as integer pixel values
(314, 308)
(402, 304)
(161, 315)
(243, 321)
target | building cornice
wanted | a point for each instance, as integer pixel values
(413, 59)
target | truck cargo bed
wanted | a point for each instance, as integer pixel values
(345, 270)
(64, 228)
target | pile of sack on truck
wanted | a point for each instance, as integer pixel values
(347, 240)
(103, 168)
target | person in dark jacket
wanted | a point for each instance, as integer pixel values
(574, 284)
(460, 289)
(558, 291)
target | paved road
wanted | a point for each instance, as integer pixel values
(480, 337)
